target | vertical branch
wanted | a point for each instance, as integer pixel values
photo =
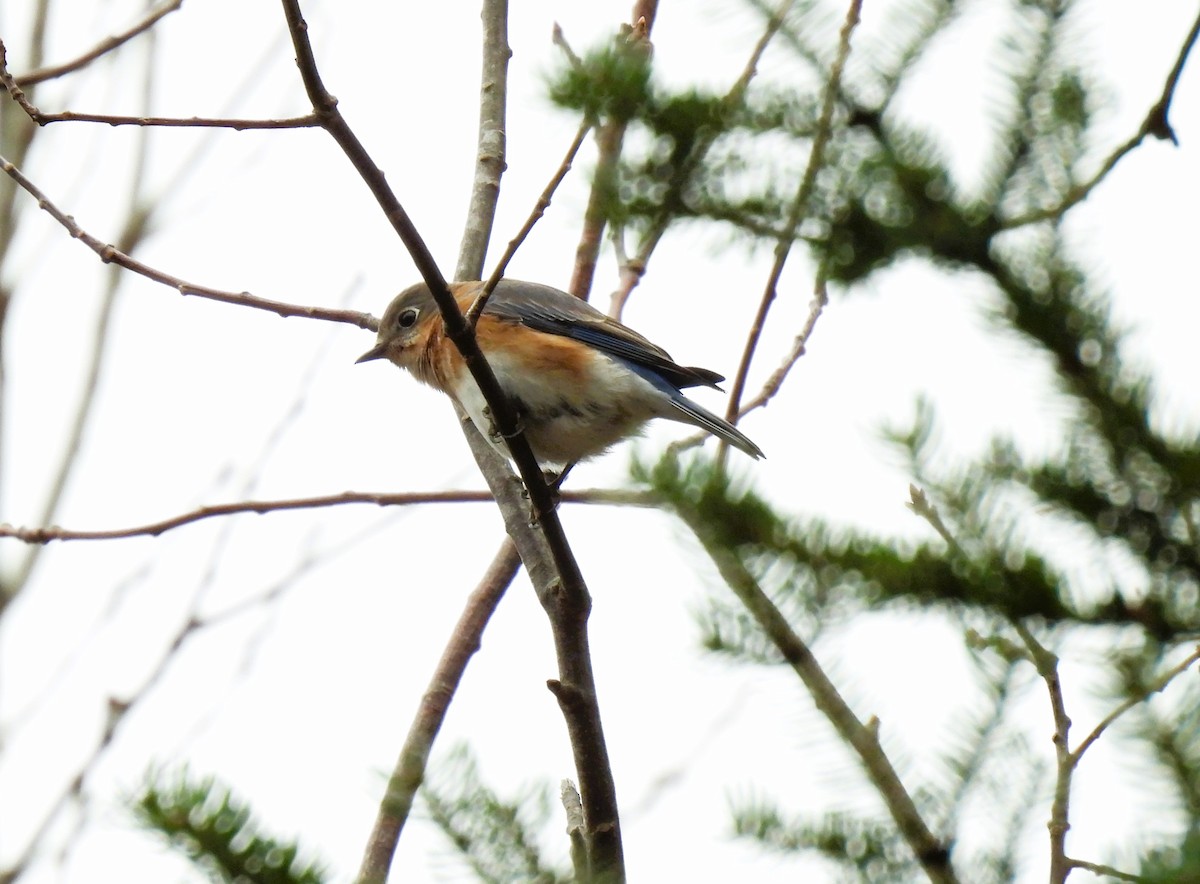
(490, 155)
(609, 139)
(466, 637)
(1046, 664)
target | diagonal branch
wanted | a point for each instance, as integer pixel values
(1156, 123)
(863, 738)
(633, 269)
(1158, 687)
(609, 138)
(110, 254)
(104, 47)
(409, 771)
(546, 554)
(13, 85)
(543, 203)
(787, 237)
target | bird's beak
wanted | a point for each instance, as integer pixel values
(376, 352)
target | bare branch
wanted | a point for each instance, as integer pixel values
(775, 382)
(1102, 870)
(1156, 123)
(543, 203)
(1046, 664)
(560, 40)
(919, 503)
(787, 238)
(110, 254)
(409, 771)
(307, 121)
(260, 507)
(137, 223)
(102, 48)
(609, 138)
(13, 85)
(1158, 687)
(490, 155)
(633, 269)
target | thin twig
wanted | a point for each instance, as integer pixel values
(409, 771)
(12, 84)
(139, 219)
(1158, 687)
(633, 269)
(560, 40)
(610, 136)
(110, 254)
(543, 203)
(306, 121)
(919, 503)
(1046, 664)
(1156, 123)
(602, 496)
(104, 47)
(774, 383)
(1103, 870)
(120, 707)
(783, 246)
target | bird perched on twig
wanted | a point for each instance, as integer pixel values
(579, 381)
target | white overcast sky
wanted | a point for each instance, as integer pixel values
(302, 704)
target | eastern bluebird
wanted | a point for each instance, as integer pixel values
(579, 381)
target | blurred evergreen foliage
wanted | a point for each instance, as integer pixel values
(203, 820)
(496, 838)
(1126, 485)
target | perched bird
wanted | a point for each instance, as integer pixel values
(579, 381)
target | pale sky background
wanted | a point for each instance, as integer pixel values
(301, 704)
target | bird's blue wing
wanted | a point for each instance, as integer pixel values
(689, 412)
(549, 310)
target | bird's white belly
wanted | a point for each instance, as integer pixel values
(566, 422)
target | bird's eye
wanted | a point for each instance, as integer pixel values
(408, 318)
